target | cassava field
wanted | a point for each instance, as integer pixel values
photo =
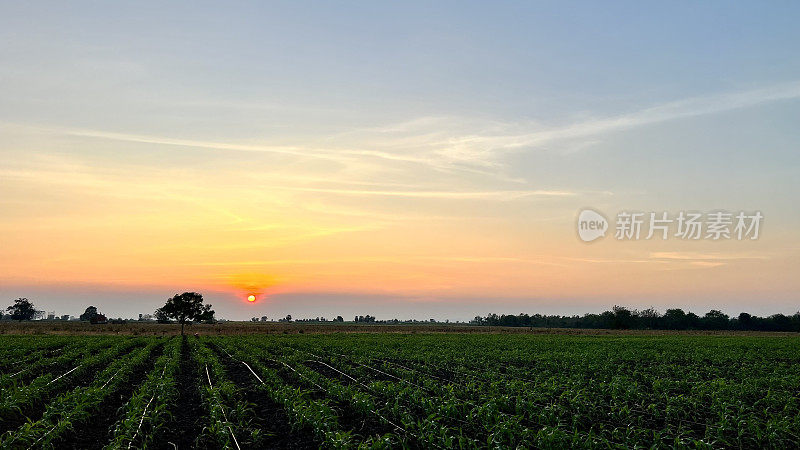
(399, 390)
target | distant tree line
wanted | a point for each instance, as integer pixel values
(189, 308)
(621, 318)
(22, 309)
(186, 308)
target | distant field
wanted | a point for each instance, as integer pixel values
(399, 390)
(239, 328)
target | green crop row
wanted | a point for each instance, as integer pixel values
(148, 408)
(46, 360)
(16, 399)
(79, 404)
(403, 391)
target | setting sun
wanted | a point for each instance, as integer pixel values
(251, 298)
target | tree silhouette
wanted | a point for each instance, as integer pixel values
(161, 316)
(715, 320)
(22, 309)
(89, 313)
(187, 307)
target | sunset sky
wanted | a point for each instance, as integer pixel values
(406, 160)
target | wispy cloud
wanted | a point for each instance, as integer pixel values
(460, 144)
(388, 260)
(145, 185)
(450, 142)
(707, 264)
(487, 147)
(676, 260)
(334, 153)
(610, 260)
(480, 144)
(697, 256)
(211, 145)
(688, 259)
(496, 194)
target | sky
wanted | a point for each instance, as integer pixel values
(410, 160)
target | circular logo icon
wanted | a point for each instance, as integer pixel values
(591, 225)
